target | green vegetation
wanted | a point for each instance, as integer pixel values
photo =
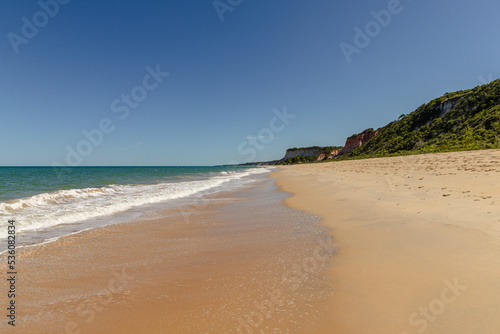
(329, 149)
(299, 160)
(309, 159)
(325, 149)
(370, 130)
(472, 123)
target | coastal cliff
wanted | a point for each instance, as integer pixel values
(311, 154)
(303, 152)
(357, 140)
(459, 121)
(446, 106)
(317, 153)
(463, 120)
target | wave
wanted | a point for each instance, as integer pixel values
(74, 205)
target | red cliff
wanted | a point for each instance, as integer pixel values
(351, 143)
(356, 141)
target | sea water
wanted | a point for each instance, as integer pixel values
(46, 199)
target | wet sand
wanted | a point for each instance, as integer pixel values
(418, 238)
(236, 262)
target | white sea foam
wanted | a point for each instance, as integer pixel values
(45, 210)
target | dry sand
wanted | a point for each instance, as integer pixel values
(419, 242)
(418, 238)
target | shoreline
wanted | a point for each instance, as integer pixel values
(213, 267)
(418, 238)
(108, 195)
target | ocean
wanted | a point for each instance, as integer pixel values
(48, 202)
(162, 249)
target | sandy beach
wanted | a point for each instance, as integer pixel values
(418, 238)
(201, 167)
(232, 262)
(393, 245)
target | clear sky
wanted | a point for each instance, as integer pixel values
(86, 65)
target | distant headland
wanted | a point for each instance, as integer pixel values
(459, 121)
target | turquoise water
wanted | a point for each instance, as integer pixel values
(40, 198)
(19, 182)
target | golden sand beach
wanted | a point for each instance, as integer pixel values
(418, 241)
(233, 262)
(418, 238)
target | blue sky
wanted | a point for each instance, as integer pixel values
(227, 80)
